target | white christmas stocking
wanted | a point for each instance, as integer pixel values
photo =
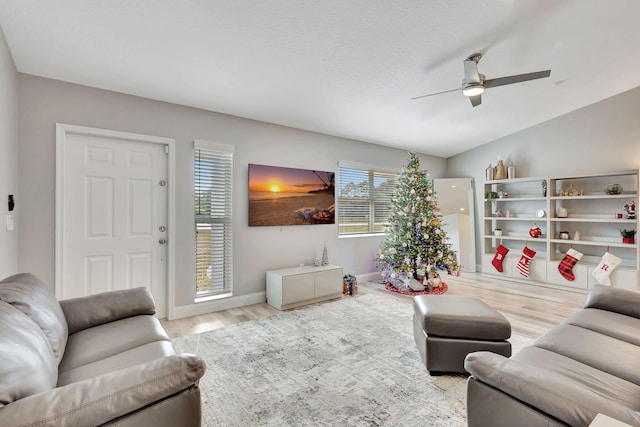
(608, 263)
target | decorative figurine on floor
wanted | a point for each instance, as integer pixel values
(434, 280)
(630, 209)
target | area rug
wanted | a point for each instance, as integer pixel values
(350, 362)
(436, 291)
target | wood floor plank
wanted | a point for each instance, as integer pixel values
(532, 310)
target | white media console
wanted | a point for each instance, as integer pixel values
(293, 287)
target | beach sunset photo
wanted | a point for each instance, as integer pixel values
(290, 196)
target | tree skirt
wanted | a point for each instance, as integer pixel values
(437, 291)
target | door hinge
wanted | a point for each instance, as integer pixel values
(166, 149)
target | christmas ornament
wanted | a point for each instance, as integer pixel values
(535, 231)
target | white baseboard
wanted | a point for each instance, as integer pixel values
(217, 305)
(368, 277)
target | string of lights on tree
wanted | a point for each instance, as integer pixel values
(415, 239)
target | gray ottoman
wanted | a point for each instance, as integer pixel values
(448, 327)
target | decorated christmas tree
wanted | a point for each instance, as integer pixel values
(416, 244)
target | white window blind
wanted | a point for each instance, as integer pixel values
(364, 199)
(213, 172)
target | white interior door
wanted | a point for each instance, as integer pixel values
(112, 230)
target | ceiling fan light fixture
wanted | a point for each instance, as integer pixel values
(473, 89)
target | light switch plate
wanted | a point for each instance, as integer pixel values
(9, 222)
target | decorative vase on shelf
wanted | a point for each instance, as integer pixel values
(501, 173)
(511, 171)
(490, 173)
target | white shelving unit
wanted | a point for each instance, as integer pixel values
(592, 214)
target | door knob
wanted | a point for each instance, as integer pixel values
(162, 241)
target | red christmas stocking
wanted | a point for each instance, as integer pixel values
(501, 252)
(566, 265)
(525, 260)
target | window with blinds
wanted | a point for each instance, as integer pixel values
(364, 200)
(213, 171)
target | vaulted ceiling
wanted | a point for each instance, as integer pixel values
(344, 68)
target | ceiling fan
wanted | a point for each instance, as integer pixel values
(475, 83)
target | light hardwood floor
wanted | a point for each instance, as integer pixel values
(532, 310)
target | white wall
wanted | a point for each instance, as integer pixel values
(8, 158)
(45, 102)
(602, 137)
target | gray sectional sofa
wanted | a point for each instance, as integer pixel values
(587, 365)
(92, 361)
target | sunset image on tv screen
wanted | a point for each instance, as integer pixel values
(290, 196)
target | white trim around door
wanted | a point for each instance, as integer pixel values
(62, 132)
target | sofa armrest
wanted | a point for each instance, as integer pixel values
(546, 390)
(618, 300)
(93, 310)
(97, 400)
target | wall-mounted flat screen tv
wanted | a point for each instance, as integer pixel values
(289, 196)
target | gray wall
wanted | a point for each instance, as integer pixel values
(602, 137)
(44, 102)
(8, 158)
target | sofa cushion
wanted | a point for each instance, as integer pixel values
(619, 300)
(607, 354)
(538, 387)
(609, 387)
(94, 310)
(137, 355)
(608, 323)
(27, 363)
(100, 342)
(31, 296)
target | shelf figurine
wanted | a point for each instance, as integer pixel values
(544, 187)
(501, 173)
(630, 209)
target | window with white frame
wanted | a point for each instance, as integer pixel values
(213, 172)
(364, 199)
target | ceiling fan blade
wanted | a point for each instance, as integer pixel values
(475, 100)
(501, 81)
(437, 93)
